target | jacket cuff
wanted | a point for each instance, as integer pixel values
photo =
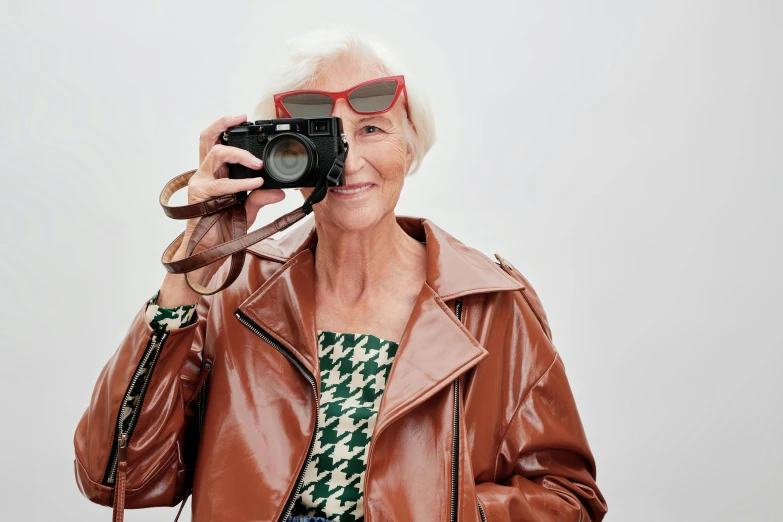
(166, 319)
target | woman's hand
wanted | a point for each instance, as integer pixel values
(211, 180)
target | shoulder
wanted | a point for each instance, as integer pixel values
(527, 295)
(513, 327)
(256, 270)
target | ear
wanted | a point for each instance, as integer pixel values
(408, 160)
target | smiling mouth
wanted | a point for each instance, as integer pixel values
(352, 190)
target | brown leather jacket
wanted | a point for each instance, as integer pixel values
(477, 392)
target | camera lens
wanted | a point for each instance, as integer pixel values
(286, 159)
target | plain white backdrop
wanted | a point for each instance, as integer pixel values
(624, 155)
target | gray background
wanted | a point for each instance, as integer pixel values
(625, 156)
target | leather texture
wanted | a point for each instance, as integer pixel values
(522, 453)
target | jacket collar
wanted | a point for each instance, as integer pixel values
(453, 269)
(435, 348)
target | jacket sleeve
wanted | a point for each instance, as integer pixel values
(545, 471)
(147, 392)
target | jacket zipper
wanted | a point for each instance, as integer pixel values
(202, 399)
(455, 463)
(309, 376)
(152, 351)
(481, 511)
(455, 435)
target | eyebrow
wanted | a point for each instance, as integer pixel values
(375, 117)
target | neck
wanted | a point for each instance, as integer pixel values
(352, 266)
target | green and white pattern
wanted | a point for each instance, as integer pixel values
(354, 369)
(169, 318)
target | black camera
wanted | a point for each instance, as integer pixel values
(297, 152)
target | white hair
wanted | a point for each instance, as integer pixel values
(318, 53)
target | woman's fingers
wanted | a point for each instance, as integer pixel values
(211, 135)
(211, 179)
(222, 154)
(220, 186)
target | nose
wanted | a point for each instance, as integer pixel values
(354, 160)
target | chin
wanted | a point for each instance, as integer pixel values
(349, 219)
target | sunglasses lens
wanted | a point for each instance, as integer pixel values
(373, 97)
(307, 105)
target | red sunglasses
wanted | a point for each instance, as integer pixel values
(372, 97)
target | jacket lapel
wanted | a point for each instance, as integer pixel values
(435, 347)
(284, 306)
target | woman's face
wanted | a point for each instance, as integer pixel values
(378, 158)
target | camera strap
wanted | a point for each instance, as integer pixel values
(211, 210)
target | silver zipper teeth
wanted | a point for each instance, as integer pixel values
(455, 436)
(481, 511)
(454, 450)
(300, 481)
(153, 348)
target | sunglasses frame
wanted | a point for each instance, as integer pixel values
(399, 79)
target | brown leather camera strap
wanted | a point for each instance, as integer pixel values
(211, 210)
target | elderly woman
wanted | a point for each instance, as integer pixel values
(366, 366)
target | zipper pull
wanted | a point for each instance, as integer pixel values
(118, 502)
(122, 451)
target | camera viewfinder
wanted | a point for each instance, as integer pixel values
(320, 128)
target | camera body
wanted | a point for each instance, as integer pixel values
(297, 152)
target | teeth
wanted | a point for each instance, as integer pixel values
(351, 191)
